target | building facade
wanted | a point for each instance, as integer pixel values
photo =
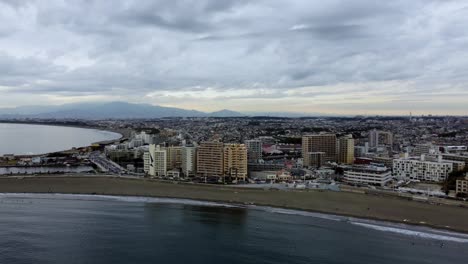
(373, 138)
(174, 157)
(462, 186)
(254, 149)
(235, 161)
(210, 160)
(319, 143)
(421, 169)
(155, 161)
(189, 161)
(345, 149)
(372, 175)
(315, 159)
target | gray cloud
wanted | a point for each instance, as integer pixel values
(133, 49)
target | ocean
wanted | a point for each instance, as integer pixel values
(38, 139)
(60, 228)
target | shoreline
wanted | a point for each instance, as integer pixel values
(375, 224)
(385, 209)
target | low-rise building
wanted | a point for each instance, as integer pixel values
(373, 174)
(411, 168)
(462, 186)
(315, 159)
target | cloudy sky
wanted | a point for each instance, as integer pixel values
(342, 57)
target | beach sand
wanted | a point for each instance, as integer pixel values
(341, 203)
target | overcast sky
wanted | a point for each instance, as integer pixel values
(346, 57)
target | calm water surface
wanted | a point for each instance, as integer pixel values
(39, 139)
(91, 229)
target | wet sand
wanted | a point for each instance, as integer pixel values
(341, 203)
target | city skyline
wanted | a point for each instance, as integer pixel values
(341, 58)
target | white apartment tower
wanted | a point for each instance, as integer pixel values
(189, 160)
(155, 161)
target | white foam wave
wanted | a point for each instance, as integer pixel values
(403, 229)
(298, 212)
(422, 234)
(130, 199)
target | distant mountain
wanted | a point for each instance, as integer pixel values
(112, 110)
(226, 113)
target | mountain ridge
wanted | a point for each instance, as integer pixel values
(109, 110)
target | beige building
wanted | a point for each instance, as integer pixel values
(462, 186)
(235, 161)
(315, 159)
(345, 150)
(319, 143)
(174, 157)
(210, 159)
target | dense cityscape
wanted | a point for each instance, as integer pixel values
(421, 157)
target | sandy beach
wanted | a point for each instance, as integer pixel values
(340, 203)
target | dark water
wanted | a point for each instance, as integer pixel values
(38, 139)
(41, 229)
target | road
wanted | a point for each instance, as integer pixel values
(105, 164)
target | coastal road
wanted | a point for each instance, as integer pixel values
(105, 164)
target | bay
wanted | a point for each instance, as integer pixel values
(39, 139)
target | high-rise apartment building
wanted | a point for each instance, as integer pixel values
(235, 161)
(254, 149)
(210, 159)
(319, 143)
(345, 149)
(174, 157)
(373, 138)
(155, 161)
(189, 160)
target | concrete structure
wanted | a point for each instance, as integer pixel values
(360, 151)
(456, 157)
(146, 162)
(373, 138)
(386, 138)
(371, 174)
(174, 157)
(210, 160)
(462, 186)
(422, 169)
(189, 161)
(155, 161)
(315, 159)
(388, 162)
(235, 161)
(319, 143)
(265, 166)
(254, 148)
(345, 150)
(420, 149)
(454, 149)
(377, 137)
(264, 175)
(173, 174)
